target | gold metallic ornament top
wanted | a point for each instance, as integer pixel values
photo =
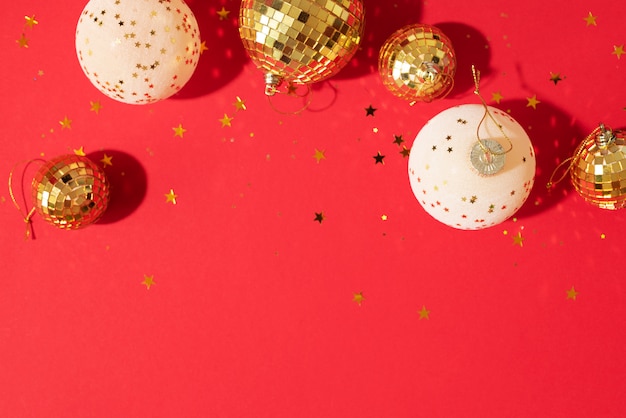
(418, 62)
(300, 41)
(598, 168)
(70, 191)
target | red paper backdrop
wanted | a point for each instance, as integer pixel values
(254, 310)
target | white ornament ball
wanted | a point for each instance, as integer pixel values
(449, 186)
(138, 51)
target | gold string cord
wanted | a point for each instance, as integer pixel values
(27, 214)
(291, 92)
(488, 152)
(570, 160)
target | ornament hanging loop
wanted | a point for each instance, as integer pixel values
(487, 156)
(27, 215)
(272, 84)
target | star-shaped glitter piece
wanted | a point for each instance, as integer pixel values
(383, 217)
(496, 96)
(223, 13)
(424, 313)
(398, 140)
(95, 106)
(23, 41)
(379, 158)
(358, 298)
(226, 120)
(80, 151)
(319, 155)
(148, 281)
(532, 102)
(518, 239)
(618, 50)
(555, 77)
(405, 152)
(239, 104)
(369, 111)
(30, 21)
(203, 47)
(572, 293)
(179, 130)
(171, 197)
(590, 19)
(319, 217)
(65, 123)
(106, 160)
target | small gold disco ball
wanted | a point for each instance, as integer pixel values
(70, 191)
(300, 41)
(598, 169)
(418, 63)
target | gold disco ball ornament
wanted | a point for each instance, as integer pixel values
(70, 192)
(598, 168)
(300, 41)
(418, 63)
(138, 51)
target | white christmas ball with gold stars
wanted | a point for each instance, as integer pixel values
(138, 51)
(460, 184)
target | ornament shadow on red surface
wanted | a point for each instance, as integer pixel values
(471, 48)
(382, 18)
(225, 56)
(128, 184)
(554, 135)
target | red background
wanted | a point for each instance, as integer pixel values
(252, 312)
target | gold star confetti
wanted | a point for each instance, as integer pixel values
(384, 217)
(319, 155)
(424, 313)
(23, 41)
(148, 281)
(223, 13)
(379, 158)
(319, 217)
(95, 106)
(358, 298)
(532, 102)
(30, 21)
(80, 151)
(555, 77)
(518, 239)
(398, 140)
(618, 50)
(226, 120)
(590, 19)
(106, 160)
(496, 96)
(171, 197)
(602, 236)
(572, 293)
(65, 123)
(405, 151)
(369, 111)
(179, 130)
(239, 104)
(203, 47)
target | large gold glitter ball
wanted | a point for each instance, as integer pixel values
(70, 191)
(418, 63)
(300, 41)
(598, 169)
